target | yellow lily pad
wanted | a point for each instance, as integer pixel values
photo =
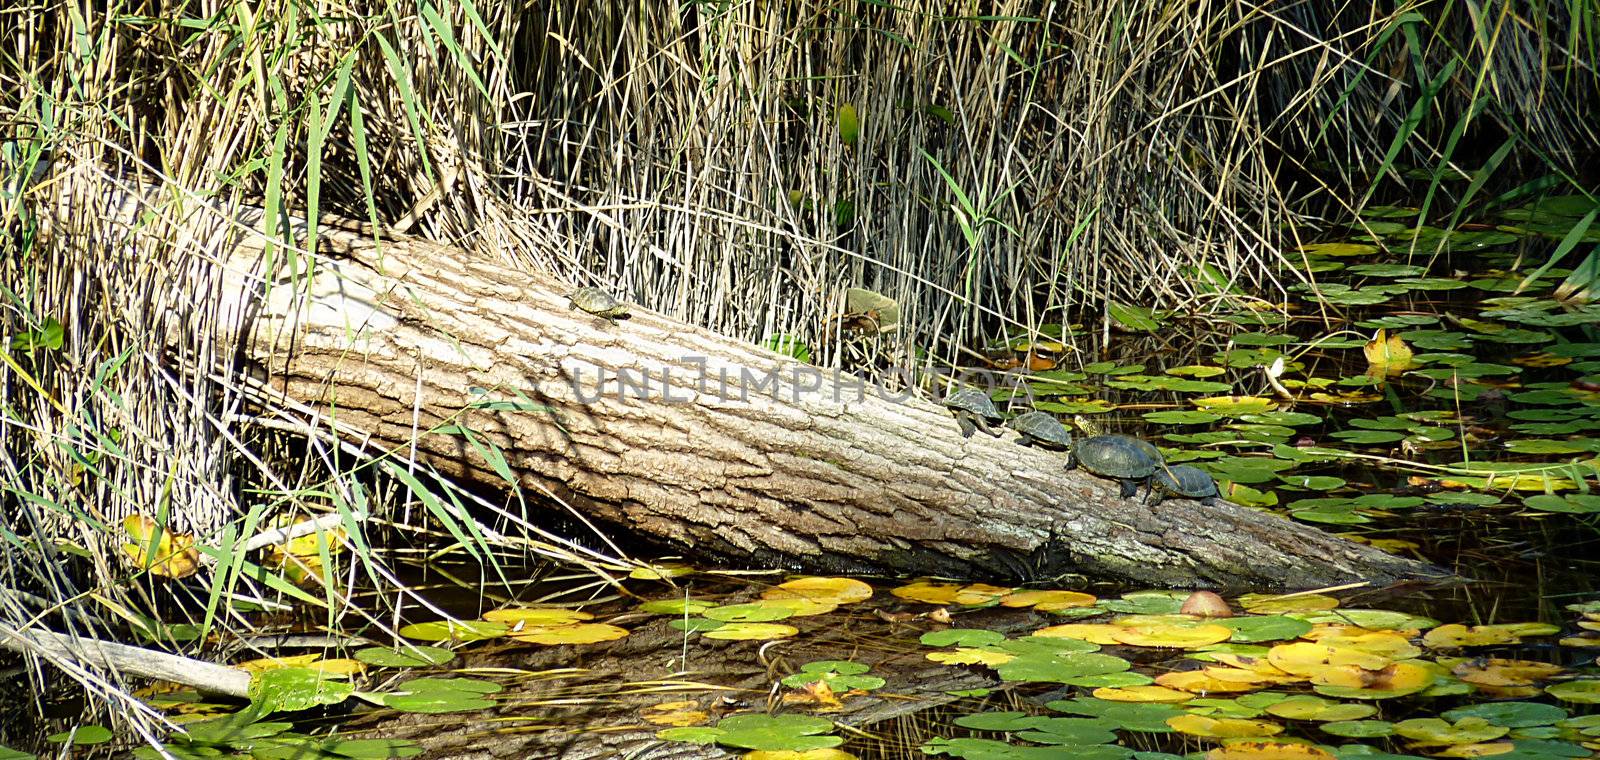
(1222, 728)
(1433, 732)
(1199, 682)
(1497, 671)
(972, 656)
(572, 633)
(1103, 634)
(1048, 599)
(1158, 694)
(821, 589)
(679, 714)
(752, 632)
(1387, 354)
(979, 593)
(1455, 635)
(660, 572)
(1309, 658)
(1173, 637)
(929, 592)
(1235, 405)
(459, 630)
(1268, 750)
(536, 616)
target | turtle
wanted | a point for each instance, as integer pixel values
(1125, 459)
(1041, 429)
(599, 303)
(974, 411)
(1183, 481)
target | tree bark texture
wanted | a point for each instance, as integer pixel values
(724, 450)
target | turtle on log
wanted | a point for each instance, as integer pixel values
(1125, 459)
(599, 303)
(974, 411)
(1041, 429)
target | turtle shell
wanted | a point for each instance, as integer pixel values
(597, 301)
(1183, 481)
(1042, 427)
(974, 401)
(1117, 456)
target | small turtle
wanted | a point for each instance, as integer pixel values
(1041, 429)
(974, 411)
(599, 303)
(1183, 481)
(1127, 460)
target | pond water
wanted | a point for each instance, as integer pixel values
(1435, 394)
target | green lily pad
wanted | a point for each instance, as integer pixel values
(420, 656)
(1510, 714)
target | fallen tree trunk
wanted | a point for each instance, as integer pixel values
(704, 443)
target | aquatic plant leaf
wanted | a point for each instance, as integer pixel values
(1048, 599)
(1387, 620)
(751, 632)
(1135, 318)
(1213, 681)
(696, 624)
(1339, 249)
(1455, 635)
(290, 689)
(371, 749)
(1181, 417)
(1202, 370)
(972, 656)
(1583, 692)
(751, 612)
(1551, 446)
(536, 616)
(1500, 671)
(979, 594)
(1307, 707)
(1359, 729)
(580, 633)
(1234, 406)
(453, 630)
(802, 607)
(1273, 604)
(1171, 636)
(1367, 437)
(660, 571)
(1250, 749)
(1572, 504)
(1313, 482)
(1387, 270)
(1387, 354)
(1254, 628)
(1060, 667)
(996, 721)
(419, 656)
(969, 637)
(1141, 717)
(1078, 733)
(1218, 728)
(1437, 731)
(1510, 714)
(678, 606)
(87, 735)
(833, 590)
(1141, 694)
